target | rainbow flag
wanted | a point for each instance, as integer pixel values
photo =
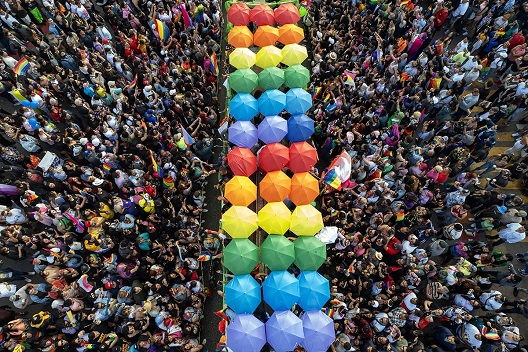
(327, 97)
(21, 67)
(158, 171)
(332, 180)
(315, 92)
(131, 85)
(204, 256)
(168, 182)
(214, 63)
(349, 77)
(400, 215)
(112, 259)
(163, 30)
(186, 136)
(329, 311)
(107, 168)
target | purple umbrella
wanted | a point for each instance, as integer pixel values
(272, 129)
(243, 134)
(284, 331)
(246, 333)
(318, 331)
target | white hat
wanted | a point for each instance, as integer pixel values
(83, 141)
(77, 150)
(331, 40)
(97, 182)
(333, 56)
(96, 142)
(148, 88)
(172, 91)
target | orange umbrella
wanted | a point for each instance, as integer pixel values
(239, 14)
(242, 161)
(262, 15)
(287, 13)
(302, 157)
(304, 188)
(290, 34)
(275, 186)
(240, 190)
(265, 35)
(240, 37)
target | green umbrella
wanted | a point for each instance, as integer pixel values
(296, 76)
(277, 252)
(241, 256)
(310, 253)
(271, 78)
(243, 80)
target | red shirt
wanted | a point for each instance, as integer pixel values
(440, 17)
(517, 39)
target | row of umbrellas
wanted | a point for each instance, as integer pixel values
(274, 218)
(283, 331)
(244, 106)
(268, 56)
(239, 14)
(277, 252)
(245, 80)
(242, 37)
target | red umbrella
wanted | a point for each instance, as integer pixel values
(242, 161)
(287, 13)
(262, 15)
(273, 157)
(238, 14)
(302, 157)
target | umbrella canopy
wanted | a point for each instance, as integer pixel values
(302, 157)
(265, 35)
(245, 333)
(242, 294)
(241, 256)
(271, 78)
(243, 106)
(243, 80)
(272, 129)
(314, 290)
(281, 290)
(240, 190)
(240, 37)
(306, 220)
(294, 54)
(304, 188)
(310, 253)
(298, 101)
(242, 161)
(277, 252)
(242, 58)
(287, 13)
(275, 186)
(290, 34)
(239, 222)
(319, 331)
(239, 14)
(274, 218)
(284, 331)
(268, 56)
(262, 15)
(300, 128)
(271, 102)
(243, 134)
(273, 157)
(296, 76)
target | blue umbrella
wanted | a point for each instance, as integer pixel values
(298, 101)
(300, 128)
(281, 290)
(243, 134)
(314, 290)
(242, 294)
(272, 129)
(271, 102)
(318, 331)
(243, 106)
(245, 333)
(284, 331)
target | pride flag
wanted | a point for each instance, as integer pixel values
(315, 92)
(163, 30)
(332, 180)
(131, 85)
(349, 77)
(214, 63)
(107, 168)
(21, 67)
(187, 138)
(158, 171)
(204, 256)
(400, 215)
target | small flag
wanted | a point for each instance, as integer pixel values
(214, 64)
(349, 77)
(422, 116)
(107, 168)
(158, 171)
(85, 285)
(330, 312)
(69, 313)
(79, 224)
(21, 67)
(168, 182)
(163, 30)
(186, 136)
(331, 108)
(187, 22)
(400, 215)
(327, 97)
(112, 259)
(315, 92)
(204, 256)
(132, 84)
(332, 180)
(404, 77)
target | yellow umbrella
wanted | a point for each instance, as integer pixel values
(240, 37)
(242, 58)
(268, 56)
(293, 54)
(275, 186)
(274, 218)
(240, 190)
(306, 221)
(239, 222)
(290, 34)
(265, 35)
